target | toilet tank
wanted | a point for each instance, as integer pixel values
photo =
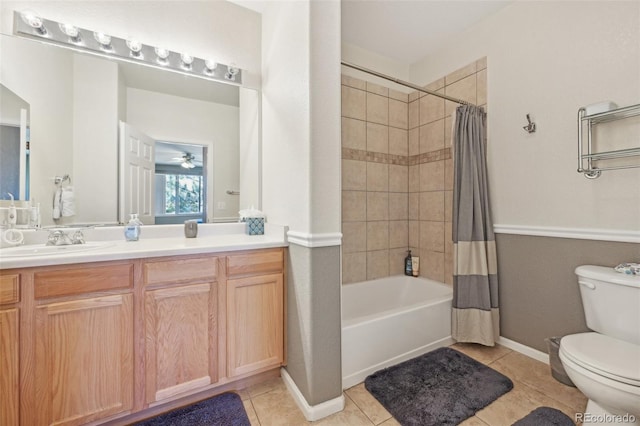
(611, 302)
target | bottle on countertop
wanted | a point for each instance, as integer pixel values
(408, 268)
(132, 229)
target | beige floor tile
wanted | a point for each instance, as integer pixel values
(251, 412)
(350, 416)
(473, 421)
(390, 422)
(484, 354)
(516, 404)
(277, 408)
(243, 394)
(267, 386)
(538, 376)
(368, 404)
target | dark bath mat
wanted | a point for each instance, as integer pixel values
(545, 416)
(442, 387)
(222, 410)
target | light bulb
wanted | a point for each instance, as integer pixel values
(210, 65)
(162, 53)
(135, 47)
(232, 70)
(187, 60)
(70, 30)
(103, 39)
(34, 21)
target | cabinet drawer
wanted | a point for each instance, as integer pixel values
(67, 282)
(257, 262)
(9, 289)
(176, 270)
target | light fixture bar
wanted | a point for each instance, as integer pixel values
(87, 41)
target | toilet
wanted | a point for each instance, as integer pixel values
(605, 364)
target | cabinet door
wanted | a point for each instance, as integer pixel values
(9, 387)
(255, 323)
(84, 359)
(181, 339)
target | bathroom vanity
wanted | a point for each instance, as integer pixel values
(117, 340)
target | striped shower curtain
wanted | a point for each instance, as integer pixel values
(475, 316)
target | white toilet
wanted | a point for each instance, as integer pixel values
(605, 364)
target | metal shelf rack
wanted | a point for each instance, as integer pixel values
(586, 157)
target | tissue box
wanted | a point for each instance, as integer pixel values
(255, 225)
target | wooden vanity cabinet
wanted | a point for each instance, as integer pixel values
(9, 349)
(181, 320)
(255, 311)
(83, 343)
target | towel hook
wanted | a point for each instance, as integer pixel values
(531, 127)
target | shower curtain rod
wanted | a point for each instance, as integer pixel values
(405, 83)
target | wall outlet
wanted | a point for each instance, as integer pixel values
(222, 205)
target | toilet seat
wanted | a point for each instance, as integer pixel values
(605, 356)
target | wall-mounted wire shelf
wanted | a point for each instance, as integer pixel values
(586, 155)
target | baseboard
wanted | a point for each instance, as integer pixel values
(315, 412)
(525, 350)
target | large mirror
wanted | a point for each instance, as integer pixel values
(111, 138)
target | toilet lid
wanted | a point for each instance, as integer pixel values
(604, 355)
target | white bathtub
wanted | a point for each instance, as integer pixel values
(389, 320)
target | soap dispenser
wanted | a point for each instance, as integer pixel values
(132, 229)
(408, 264)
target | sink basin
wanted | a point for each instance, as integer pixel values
(43, 250)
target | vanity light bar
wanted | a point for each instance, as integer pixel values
(29, 25)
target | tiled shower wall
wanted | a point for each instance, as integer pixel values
(397, 175)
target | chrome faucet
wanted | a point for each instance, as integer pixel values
(61, 238)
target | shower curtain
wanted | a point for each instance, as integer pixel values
(475, 315)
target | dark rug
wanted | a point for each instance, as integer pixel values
(545, 416)
(222, 410)
(442, 387)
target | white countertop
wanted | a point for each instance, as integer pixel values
(155, 241)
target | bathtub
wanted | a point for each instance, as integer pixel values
(390, 320)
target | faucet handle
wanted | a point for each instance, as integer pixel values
(53, 237)
(77, 237)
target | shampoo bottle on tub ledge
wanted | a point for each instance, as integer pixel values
(408, 267)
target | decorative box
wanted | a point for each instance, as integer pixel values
(255, 225)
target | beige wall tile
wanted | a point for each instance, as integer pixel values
(414, 205)
(377, 109)
(414, 178)
(398, 206)
(377, 138)
(354, 237)
(396, 260)
(414, 233)
(414, 114)
(448, 268)
(354, 206)
(354, 175)
(377, 206)
(448, 174)
(464, 89)
(377, 89)
(354, 103)
(432, 206)
(377, 235)
(435, 85)
(354, 134)
(399, 96)
(398, 114)
(461, 73)
(432, 236)
(398, 178)
(432, 176)
(414, 96)
(432, 265)
(448, 206)
(432, 136)
(398, 141)
(481, 63)
(414, 141)
(398, 234)
(356, 83)
(431, 109)
(377, 176)
(448, 122)
(377, 264)
(481, 82)
(354, 267)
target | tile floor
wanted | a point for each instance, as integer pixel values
(269, 403)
